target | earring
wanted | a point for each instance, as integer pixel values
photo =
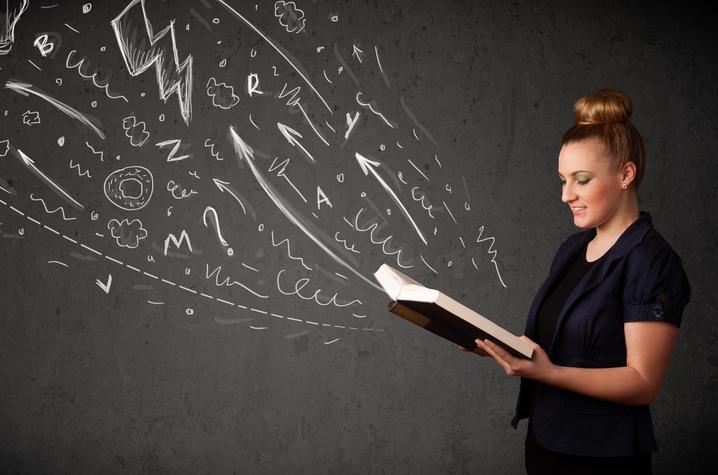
(624, 185)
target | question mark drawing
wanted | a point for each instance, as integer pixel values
(215, 223)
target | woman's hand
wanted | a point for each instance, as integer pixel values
(539, 367)
(476, 350)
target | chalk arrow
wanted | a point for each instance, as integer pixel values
(224, 186)
(29, 163)
(244, 151)
(291, 135)
(309, 228)
(357, 52)
(370, 166)
(105, 286)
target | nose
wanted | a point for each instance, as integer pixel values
(567, 194)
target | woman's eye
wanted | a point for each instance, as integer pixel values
(583, 182)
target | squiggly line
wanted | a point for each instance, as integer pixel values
(371, 108)
(226, 282)
(289, 252)
(62, 210)
(210, 146)
(413, 196)
(266, 313)
(490, 251)
(100, 153)
(344, 241)
(304, 281)
(79, 170)
(92, 77)
(383, 243)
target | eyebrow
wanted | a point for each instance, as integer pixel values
(577, 172)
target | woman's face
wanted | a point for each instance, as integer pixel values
(588, 183)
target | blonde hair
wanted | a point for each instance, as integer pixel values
(605, 115)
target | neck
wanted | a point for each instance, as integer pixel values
(608, 232)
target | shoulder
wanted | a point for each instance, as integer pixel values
(654, 277)
(653, 249)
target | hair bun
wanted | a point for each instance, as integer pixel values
(604, 106)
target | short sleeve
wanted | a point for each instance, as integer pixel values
(656, 287)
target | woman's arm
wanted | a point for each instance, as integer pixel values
(648, 349)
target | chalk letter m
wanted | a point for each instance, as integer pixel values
(178, 242)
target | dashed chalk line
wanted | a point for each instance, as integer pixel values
(169, 282)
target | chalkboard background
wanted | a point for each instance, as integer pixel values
(195, 196)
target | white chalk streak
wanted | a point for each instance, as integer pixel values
(25, 89)
(370, 166)
(304, 113)
(245, 152)
(266, 38)
(427, 264)
(31, 165)
(417, 169)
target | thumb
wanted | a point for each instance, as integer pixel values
(525, 338)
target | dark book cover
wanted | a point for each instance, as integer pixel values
(441, 322)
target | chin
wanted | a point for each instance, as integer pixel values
(582, 222)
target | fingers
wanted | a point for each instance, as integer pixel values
(503, 354)
(476, 350)
(493, 354)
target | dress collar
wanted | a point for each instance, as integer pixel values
(631, 236)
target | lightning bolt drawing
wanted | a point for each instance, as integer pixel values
(142, 48)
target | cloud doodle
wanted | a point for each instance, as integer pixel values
(127, 233)
(290, 17)
(222, 95)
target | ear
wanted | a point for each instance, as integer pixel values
(628, 173)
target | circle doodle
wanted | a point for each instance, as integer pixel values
(117, 184)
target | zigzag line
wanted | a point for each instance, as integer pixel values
(100, 153)
(289, 252)
(79, 170)
(62, 210)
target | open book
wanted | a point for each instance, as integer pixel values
(444, 316)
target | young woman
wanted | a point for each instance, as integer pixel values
(604, 323)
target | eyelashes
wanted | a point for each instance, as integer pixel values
(580, 182)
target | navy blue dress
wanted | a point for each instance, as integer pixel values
(539, 459)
